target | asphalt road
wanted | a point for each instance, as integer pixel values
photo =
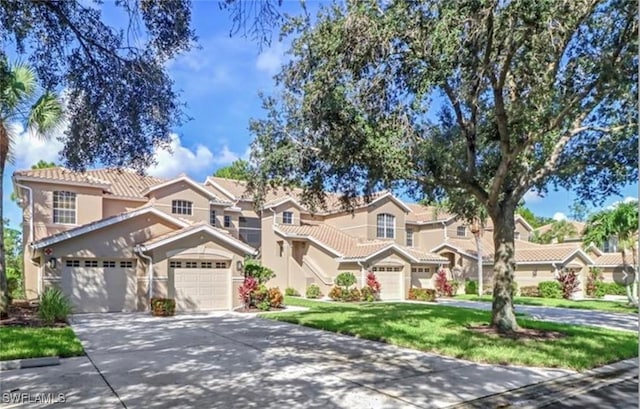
(621, 395)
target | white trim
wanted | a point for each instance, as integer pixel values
(454, 248)
(128, 198)
(396, 247)
(78, 231)
(183, 178)
(220, 188)
(285, 200)
(390, 195)
(203, 228)
(578, 251)
(524, 222)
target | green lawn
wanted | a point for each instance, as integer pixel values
(443, 330)
(29, 342)
(601, 305)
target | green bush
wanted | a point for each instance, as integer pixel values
(602, 289)
(368, 294)
(422, 294)
(15, 286)
(514, 289)
(345, 280)
(530, 291)
(253, 268)
(313, 291)
(163, 307)
(471, 287)
(54, 306)
(264, 305)
(550, 289)
(455, 285)
(291, 292)
(336, 293)
(355, 295)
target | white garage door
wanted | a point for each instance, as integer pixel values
(390, 282)
(100, 285)
(201, 285)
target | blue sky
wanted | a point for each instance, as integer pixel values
(220, 82)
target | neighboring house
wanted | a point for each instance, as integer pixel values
(578, 227)
(112, 239)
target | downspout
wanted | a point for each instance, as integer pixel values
(138, 249)
(444, 225)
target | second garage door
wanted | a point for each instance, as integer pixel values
(201, 285)
(390, 282)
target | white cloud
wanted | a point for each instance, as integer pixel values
(271, 59)
(180, 159)
(29, 148)
(628, 199)
(559, 216)
(532, 197)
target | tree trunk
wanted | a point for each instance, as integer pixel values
(503, 316)
(4, 296)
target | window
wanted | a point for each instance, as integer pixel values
(109, 264)
(420, 269)
(212, 218)
(227, 221)
(461, 231)
(206, 264)
(64, 207)
(386, 226)
(409, 237)
(91, 263)
(287, 218)
(250, 230)
(72, 263)
(175, 264)
(190, 264)
(391, 269)
(221, 264)
(182, 207)
(126, 264)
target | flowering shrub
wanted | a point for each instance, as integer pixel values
(354, 295)
(422, 294)
(373, 283)
(336, 293)
(367, 294)
(247, 290)
(275, 297)
(594, 277)
(443, 285)
(569, 283)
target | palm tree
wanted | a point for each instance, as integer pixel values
(621, 221)
(21, 104)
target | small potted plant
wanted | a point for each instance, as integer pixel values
(163, 307)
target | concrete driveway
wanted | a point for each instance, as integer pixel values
(238, 361)
(611, 320)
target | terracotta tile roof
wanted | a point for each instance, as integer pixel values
(192, 226)
(116, 182)
(579, 226)
(420, 213)
(350, 247)
(610, 259)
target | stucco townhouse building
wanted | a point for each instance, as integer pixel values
(112, 239)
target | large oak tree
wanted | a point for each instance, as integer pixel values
(475, 101)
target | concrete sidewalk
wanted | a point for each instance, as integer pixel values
(235, 361)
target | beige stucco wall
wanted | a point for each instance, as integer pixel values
(354, 224)
(113, 207)
(182, 191)
(390, 207)
(269, 252)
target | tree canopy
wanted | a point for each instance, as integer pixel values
(531, 218)
(558, 232)
(238, 169)
(476, 101)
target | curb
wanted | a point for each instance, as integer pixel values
(545, 393)
(29, 363)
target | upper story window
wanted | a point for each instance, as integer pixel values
(461, 231)
(64, 207)
(287, 217)
(409, 237)
(212, 218)
(227, 221)
(182, 207)
(386, 227)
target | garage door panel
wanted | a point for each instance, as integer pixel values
(390, 284)
(98, 289)
(201, 288)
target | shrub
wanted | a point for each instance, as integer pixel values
(550, 289)
(313, 291)
(368, 294)
(355, 295)
(530, 291)
(275, 297)
(594, 277)
(602, 289)
(471, 287)
(569, 283)
(373, 283)
(443, 285)
(345, 280)
(15, 286)
(514, 289)
(455, 284)
(291, 292)
(247, 290)
(163, 307)
(253, 268)
(422, 294)
(264, 305)
(54, 306)
(336, 293)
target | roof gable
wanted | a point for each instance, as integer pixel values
(198, 228)
(184, 179)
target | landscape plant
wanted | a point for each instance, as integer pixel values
(54, 306)
(442, 284)
(530, 291)
(594, 276)
(313, 291)
(550, 289)
(247, 291)
(569, 283)
(253, 268)
(471, 287)
(292, 292)
(422, 294)
(163, 307)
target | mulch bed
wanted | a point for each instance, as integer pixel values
(254, 309)
(522, 334)
(25, 314)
